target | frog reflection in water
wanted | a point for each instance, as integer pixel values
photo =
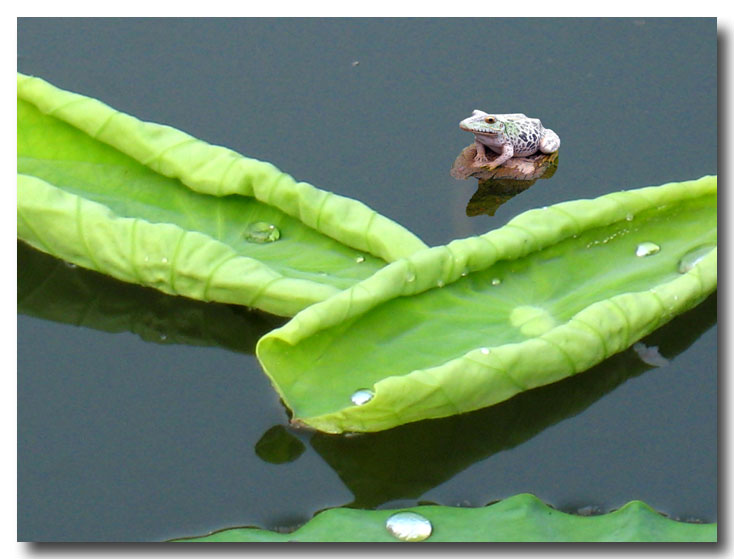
(510, 135)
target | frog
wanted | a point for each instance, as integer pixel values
(509, 135)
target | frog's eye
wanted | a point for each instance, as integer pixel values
(490, 120)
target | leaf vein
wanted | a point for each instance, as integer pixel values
(174, 259)
(81, 233)
(212, 273)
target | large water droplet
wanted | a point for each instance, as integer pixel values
(362, 396)
(650, 355)
(262, 232)
(409, 526)
(589, 510)
(693, 257)
(646, 249)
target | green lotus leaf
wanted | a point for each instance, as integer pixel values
(149, 204)
(463, 326)
(391, 465)
(521, 518)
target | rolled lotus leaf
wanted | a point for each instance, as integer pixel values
(521, 518)
(149, 204)
(463, 326)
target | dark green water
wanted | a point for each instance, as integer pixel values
(152, 419)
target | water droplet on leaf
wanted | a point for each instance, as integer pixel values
(362, 396)
(629, 217)
(164, 260)
(647, 249)
(496, 281)
(359, 259)
(409, 526)
(484, 351)
(262, 232)
(693, 257)
(440, 283)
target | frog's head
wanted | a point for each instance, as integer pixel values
(483, 123)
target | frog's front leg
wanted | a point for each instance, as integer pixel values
(480, 160)
(507, 152)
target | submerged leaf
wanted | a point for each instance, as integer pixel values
(52, 289)
(522, 518)
(460, 327)
(278, 446)
(149, 204)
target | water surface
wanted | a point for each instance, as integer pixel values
(146, 417)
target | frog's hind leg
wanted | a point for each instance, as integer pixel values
(549, 142)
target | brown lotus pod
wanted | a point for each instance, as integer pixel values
(539, 165)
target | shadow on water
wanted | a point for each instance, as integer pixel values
(406, 461)
(55, 290)
(499, 185)
(491, 194)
